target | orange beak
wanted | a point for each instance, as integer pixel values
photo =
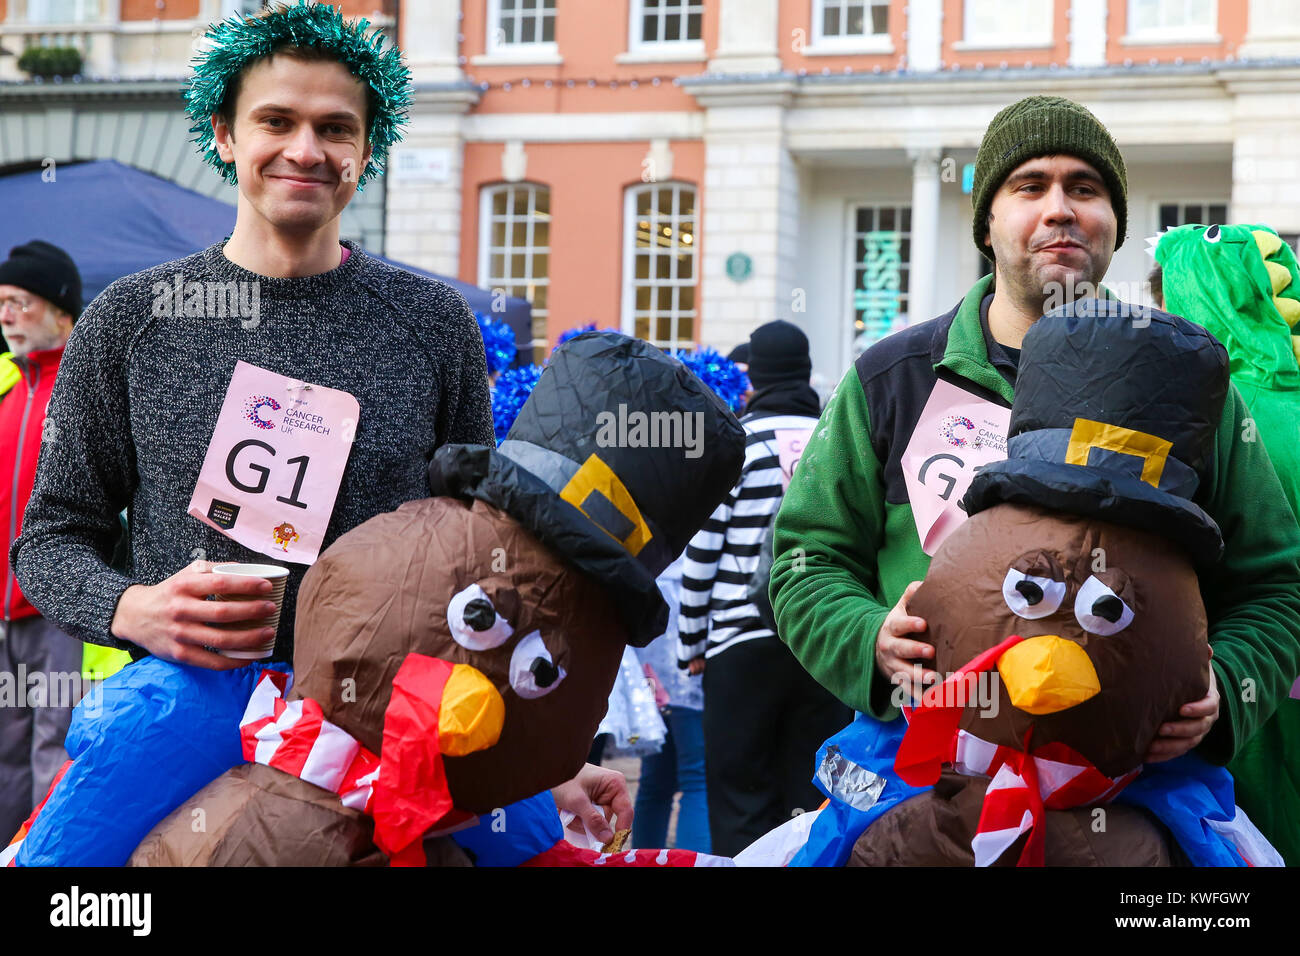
(1047, 674)
(472, 713)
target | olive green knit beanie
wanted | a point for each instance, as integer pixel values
(1045, 126)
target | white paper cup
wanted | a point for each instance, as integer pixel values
(279, 577)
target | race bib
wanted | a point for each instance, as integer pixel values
(790, 443)
(957, 433)
(275, 463)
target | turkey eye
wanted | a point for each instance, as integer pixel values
(544, 672)
(533, 672)
(1031, 592)
(1099, 610)
(480, 614)
(1031, 596)
(1109, 607)
(474, 622)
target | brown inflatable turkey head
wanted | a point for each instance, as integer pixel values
(1070, 593)
(478, 590)
(1113, 625)
(530, 569)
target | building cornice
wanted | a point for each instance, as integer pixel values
(1170, 81)
(455, 97)
(458, 96)
(746, 89)
(151, 90)
(1266, 79)
(1175, 81)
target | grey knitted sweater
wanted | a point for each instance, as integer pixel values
(138, 394)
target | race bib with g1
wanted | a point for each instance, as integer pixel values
(275, 463)
(957, 433)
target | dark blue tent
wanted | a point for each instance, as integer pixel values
(114, 220)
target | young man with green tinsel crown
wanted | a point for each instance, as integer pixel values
(299, 108)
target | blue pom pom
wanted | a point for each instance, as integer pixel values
(498, 343)
(509, 394)
(574, 333)
(718, 372)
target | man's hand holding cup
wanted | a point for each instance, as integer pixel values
(175, 620)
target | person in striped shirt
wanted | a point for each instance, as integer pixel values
(764, 716)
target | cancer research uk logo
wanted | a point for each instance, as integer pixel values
(960, 432)
(948, 428)
(256, 403)
(295, 419)
(76, 909)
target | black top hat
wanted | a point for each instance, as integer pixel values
(1115, 416)
(617, 458)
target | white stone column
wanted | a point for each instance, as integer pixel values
(924, 35)
(750, 206)
(1272, 29)
(923, 266)
(1265, 168)
(423, 184)
(105, 58)
(747, 38)
(424, 197)
(429, 32)
(1087, 33)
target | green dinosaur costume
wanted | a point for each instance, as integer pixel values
(1241, 283)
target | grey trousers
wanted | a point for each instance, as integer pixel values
(34, 713)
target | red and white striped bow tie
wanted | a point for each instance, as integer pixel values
(405, 791)
(1023, 787)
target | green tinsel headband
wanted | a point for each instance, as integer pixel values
(238, 41)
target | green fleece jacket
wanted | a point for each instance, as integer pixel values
(846, 544)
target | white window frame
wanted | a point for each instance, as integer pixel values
(851, 234)
(87, 11)
(536, 51)
(1182, 205)
(1201, 33)
(1006, 40)
(640, 50)
(486, 250)
(823, 45)
(628, 308)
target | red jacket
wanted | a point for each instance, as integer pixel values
(22, 416)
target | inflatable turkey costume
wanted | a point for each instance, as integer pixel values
(454, 656)
(1067, 615)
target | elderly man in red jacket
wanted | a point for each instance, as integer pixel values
(40, 666)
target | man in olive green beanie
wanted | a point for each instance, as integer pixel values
(1050, 208)
(855, 531)
(1045, 126)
